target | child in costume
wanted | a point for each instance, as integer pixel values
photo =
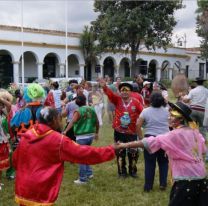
(26, 117)
(184, 147)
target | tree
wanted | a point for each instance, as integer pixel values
(130, 25)
(88, 47)
(202, 26)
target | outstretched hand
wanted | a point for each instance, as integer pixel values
(119, 146)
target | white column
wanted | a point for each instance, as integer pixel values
(40, 70)
(16, 71)
(170, 73)
(62, 70)
(81, 70)
(158, 74)
(117, 71)
(101, 71)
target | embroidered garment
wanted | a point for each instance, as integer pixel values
(134, 108)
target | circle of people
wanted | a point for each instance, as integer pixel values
(171, 135)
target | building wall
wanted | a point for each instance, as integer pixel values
(40, 43)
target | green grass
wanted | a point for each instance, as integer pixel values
(105, 189)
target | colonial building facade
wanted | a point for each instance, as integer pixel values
(50, 53)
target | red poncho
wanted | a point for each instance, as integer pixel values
(39, 162)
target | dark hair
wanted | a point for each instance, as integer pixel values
(17, 93)
(73, 81)
(47, 115)
(157, 100)
(81, 100)
(55, 85)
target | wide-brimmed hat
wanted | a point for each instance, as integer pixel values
(199, 79)
(125, 84)
(183, 109)
(6, 95)
(146, 82)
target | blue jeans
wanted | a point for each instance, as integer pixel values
(85, 170)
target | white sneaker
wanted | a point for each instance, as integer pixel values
(79, 182)
(91, 176)
(0, 187)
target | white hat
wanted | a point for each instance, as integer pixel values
(146, 82)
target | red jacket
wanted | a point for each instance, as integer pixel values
(134, 108)
(39, 163)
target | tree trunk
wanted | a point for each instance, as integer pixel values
(133, 62)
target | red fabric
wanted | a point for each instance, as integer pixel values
(4, 156)
(39, 162)
(50, 100)
(138, 96)
(134, 108)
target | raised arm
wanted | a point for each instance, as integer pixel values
(111, 95)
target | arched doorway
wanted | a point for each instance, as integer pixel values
(30, 67)
(108, 67)
(124, 69)
(152, 70)
(6, 68)
(73, 66)
(165, 70)
(50, 66)
(141, 67)
(176, 68)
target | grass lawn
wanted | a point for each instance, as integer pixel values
(105, 189)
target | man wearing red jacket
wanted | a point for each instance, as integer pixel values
(40, 156)
(127, 111)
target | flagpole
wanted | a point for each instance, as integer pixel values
(22, 45)
(66, 39)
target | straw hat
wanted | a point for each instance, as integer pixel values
(6, 95)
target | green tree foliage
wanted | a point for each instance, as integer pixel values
(88, 47)
(202, 26)
(131, 25)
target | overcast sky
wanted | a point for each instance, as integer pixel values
(50, 14)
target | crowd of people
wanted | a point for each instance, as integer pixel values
(46, 126)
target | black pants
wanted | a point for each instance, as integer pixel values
(150, 166)
(190, 193)
(132, 154)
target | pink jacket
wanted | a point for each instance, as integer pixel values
(185, 148)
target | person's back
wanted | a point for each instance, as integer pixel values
(41, 148)
(87, 122)
(198, 96)
(39, 160)
(156, 120)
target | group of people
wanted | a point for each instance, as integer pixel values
(142, 117)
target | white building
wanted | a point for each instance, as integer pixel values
(45, 54)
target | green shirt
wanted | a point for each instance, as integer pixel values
(87, 122)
